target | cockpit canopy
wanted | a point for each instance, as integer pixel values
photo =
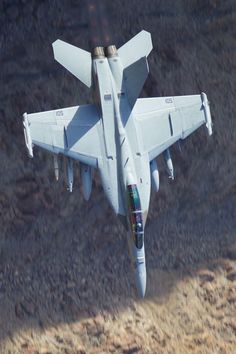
(135, 215)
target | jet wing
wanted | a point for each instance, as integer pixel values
(74, 132)
(164, 120)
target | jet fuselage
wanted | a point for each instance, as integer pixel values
(126, 168)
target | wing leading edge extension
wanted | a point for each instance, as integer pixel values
(164, 120)
(74, 132)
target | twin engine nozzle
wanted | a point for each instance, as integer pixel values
(102, 52)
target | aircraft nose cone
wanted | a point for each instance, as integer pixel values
(138, 255)
(141, 279)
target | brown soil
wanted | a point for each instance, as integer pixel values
(182, 313)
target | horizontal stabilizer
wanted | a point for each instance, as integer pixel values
(76, 60)
(137, 47)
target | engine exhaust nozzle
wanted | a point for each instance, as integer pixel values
(111, 51)
(98, 53)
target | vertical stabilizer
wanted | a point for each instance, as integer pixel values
(136, 48)
(133, 56)
(134, 77)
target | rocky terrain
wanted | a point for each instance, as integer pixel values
(66, 285)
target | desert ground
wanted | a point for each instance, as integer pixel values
(66, 282)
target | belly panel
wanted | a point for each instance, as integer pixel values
(112, 186)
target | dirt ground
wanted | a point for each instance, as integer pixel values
(183, 312)
(66, 284)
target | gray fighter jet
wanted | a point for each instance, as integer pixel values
(119, 134)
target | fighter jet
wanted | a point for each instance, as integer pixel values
(119, 134)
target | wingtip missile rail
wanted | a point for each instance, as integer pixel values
(28, 139)
(206, 107)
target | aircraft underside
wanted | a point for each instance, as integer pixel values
(120, 134)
